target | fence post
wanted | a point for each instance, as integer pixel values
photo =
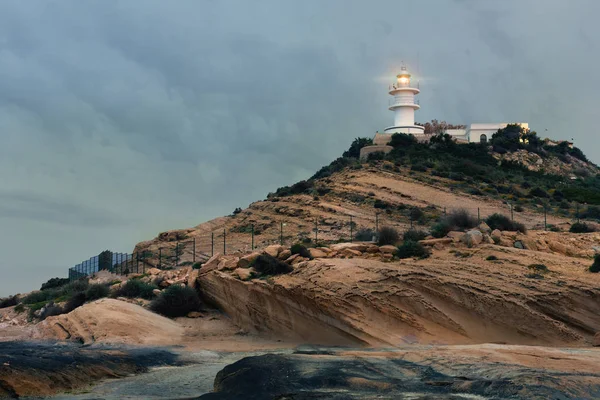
(177, 253)
(252, 237)
(478, 216)
(212, 244)
(224, 242)
(577, 204)
(281, 233)
(377, 223)
(351, 233)
(316, 231)
(159, 257)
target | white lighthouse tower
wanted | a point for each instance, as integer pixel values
(403, 105)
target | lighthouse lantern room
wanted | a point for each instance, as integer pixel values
(403, 105)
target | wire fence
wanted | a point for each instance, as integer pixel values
(250, 234)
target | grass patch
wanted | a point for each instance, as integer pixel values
(135, 289)
(176, 301)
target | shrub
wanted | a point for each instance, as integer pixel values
(77, 286)
(50, 310)
(39, 297)
(441, 229)
(134, 289)
(9, 302)
(269, 265)
(461, 219)
(538, 268)
(412, 249)
(197, 265)
(364, 235)
(491, 258)
(538, 192)
(357, 144)
(595, 267)
(519, 208)
(76, 300)
(581, 227)
(381, 204)
(416, 214)
(388, 235)
(20, 308)
(503, 223)
(176, 301)
(54, 283)
(301, 250)
(414, 235)
(96, 291)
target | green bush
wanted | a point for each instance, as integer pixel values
(96, 291)
(364, 235)
(269, 265)
(441, 228)
(54, 283)
(581, 227)
(197, 265)
(595, 267)
(538, 192)
(416, 214)
(388, 235)
(41, 296)
(75, 301)
(411, 249)
(491, 258)
(414, 234)
(461, 219)
(301, 250)
(176, 301)
(357, 144)
(9, 302)
(503, 223)
(381, 204)
(135, 289)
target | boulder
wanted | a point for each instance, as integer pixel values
(273, 250)
(354, 246)
(496, 235)
(518, 245)
(285, 254)
(558, 247)
(154, 271)
(192, 279)
(248, 259)
(212, 263)
(166, 283)
(387, 256)
(195, 314)
(388, 249)
(472, 238)
(291, 258)
(298, 260)
(228, 263)
(317, 253)
(325, 249)
(372, 249)
(484, 228)
(351, 253)
(597, 339)
(156, 292)
(529, 243)
(243, 273)
(455, 236)
(487, 239)
(433, 242)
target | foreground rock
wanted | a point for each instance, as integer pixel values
(474, 372)
(41, 369)
(111, 321)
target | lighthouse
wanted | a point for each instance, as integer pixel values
(403, 105)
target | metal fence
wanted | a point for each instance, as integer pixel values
(325, 229)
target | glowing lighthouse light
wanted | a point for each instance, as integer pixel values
(403, 105)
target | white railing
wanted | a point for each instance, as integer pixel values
(402, 101)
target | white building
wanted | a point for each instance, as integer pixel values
(403, 105)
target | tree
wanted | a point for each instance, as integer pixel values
(357, 144)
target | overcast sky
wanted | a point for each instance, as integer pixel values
(120, 119)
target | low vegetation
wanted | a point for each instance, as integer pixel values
(301, 250)
(388, 235)
(176, 301)
(365, 235)
(458, 220)
(595, 267)
(503, 223)
(134, 288)
(491, 258)
(266, 265)
(414, 234)
(54, 283)
(9, 302)
(581, 227)
(410, 249)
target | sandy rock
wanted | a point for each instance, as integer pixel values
(325, 249)
(529, 243)
(372, 249)
(388, 249)
(298, 260)
(156, 292)
(487, 239)
(510, 234)
(285, 254)
(243, 273)
(212, 263)
(192, 279)
(273, 250)
(557, 247)
(439, 246)
(506, 242)
(387, 256)
(351, 253)
(245, 261)
(317, 253)
(291, 258)
(166, 283)
(496, 235)
(228, 264)
(433, 242)
(484, 228)
(353, 246)
(472, 238)
(455, 236)
(154, 271)
(195, 314)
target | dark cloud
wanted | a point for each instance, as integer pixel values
(120, 119)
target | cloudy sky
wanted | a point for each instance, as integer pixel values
(120, 119)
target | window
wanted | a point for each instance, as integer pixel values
(483, 138)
